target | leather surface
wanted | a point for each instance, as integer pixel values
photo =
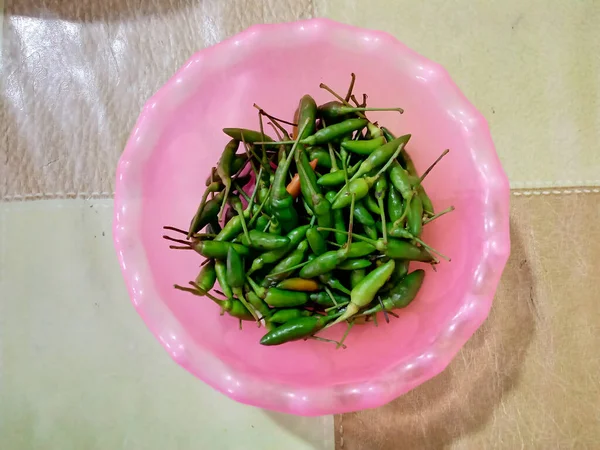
(76, 74)
(530, 377)
(531, 67)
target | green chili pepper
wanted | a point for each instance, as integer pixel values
(362, 214)
(365, 291)
(414, 217)
(360, 249)
(400, 179)
(238, 163)
(207, 277)
(311, 191)
(400, 271)
(282, 203)
(400, 295)
(324, 299)
(307, 116)
(265, 241)
(356, 276)
(282, 270)
(338, 220)
(236, 278)
(224, 167)
(261, 223)
(247, 136)
(381, 156)
(371, 203)
(332, 132)
(337, 178)
(295, 237)
(280, 298)
(218, 250)
(295, 329)
(324, 263)
(329, 280)
(394, 204)
(334, 111)
(236, 308)
(323, 158)
(207, 214)
(364, 147)
(353, 264)
(316, 241)
(287, 314)
(258, 304)
(221, 270)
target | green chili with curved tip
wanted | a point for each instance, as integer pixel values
(371, 203)
(236, 278)
(207, 214)
(324, 263)
(247, 136)
(295, 237)
(258, 304)
(207, 277)
(224, 167)
(334, 111)
(365, 291)
(280, 298)
(296, 329)
(285, 267)
(401, 294)
(307, 116)
(221, 270)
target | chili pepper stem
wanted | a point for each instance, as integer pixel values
(177, 230)
(179, 241)
(431, 249)
(430, 168)
(271, 275)
(331, 341)
(351, 87)
(383, 221)
(240, 295)
(273, 118)
(331, 296)
(440, 214)
(350, 325)
(241, 191)
(334, 166)
(387, 319)
(340, 98)
(339, 305)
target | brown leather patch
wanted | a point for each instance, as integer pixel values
(530, 377)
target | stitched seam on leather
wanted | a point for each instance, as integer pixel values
(555, 192)
(552, 184)
(341, 431)
(68, 195)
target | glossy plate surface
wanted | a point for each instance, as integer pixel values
(177, 138)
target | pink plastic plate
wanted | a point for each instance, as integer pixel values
(160, 179)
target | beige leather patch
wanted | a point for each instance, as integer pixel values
(75, 75)
(530, 377)
(525, 65)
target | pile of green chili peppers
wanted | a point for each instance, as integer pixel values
(313, 228)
